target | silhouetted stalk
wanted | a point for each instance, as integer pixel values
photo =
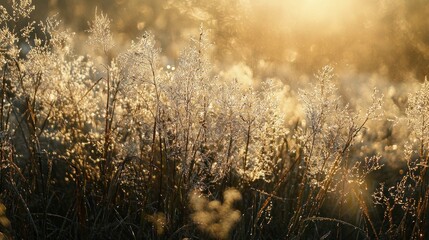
(246, 151)
(229, 154)
(156, 128)
(3, 93)
(423, 194)
(25, 206)
(161, 168)
(106, 133)
(2, 125)
(194, 152)
(276, 188)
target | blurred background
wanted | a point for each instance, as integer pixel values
(370, 43)
(274, 38)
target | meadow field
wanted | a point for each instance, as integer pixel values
(226, 119)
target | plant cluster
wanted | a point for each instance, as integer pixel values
(114, 145)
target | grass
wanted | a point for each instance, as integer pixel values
(128, 149)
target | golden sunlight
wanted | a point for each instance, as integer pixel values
(317, 13)
(225, 119)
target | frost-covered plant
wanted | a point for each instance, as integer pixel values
(100, 34)
(331, 127)
(329, 132)
(189, 91)
(112, 144)
(263, 127)
(410, 196)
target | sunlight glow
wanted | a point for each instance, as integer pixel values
(317, 9)
(331, 12)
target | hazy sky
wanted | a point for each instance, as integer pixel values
(390, 38)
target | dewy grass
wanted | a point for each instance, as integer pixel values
(113, 145)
